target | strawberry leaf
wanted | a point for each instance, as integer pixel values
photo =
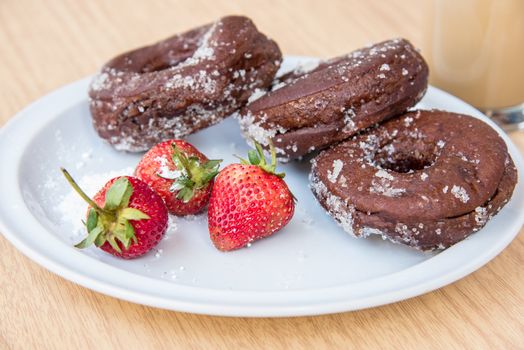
(119, 227)
(260, 154)
(100, 240)
(253, 157)
(92, 220)
(185, 194)
(176, 186)
(212, 164)
(194, 160)
(123, 231)
(112, 242)
(127, 196)
(207, 178)
(129, 234)
(133, 214)
(242, 160)
(91, 237)
(181, 183)
(118, 194)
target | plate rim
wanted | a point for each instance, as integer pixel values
(270, 307)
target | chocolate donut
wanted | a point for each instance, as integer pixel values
(182, 84)
(427, 179)
(312, 108)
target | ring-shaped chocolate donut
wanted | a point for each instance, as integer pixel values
(427, 179)
(182, 84)
(314, 107)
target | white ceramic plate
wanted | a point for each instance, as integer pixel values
(310, 267)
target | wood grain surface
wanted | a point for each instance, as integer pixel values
(46, 44)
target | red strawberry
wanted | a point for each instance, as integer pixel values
(180, 174)
(126, 217)
(249, 201)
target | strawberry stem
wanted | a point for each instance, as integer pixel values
(273, 155)
(82, 194)
(182, 159)
(259, 159)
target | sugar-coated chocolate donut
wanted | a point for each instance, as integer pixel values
(182, 84)
(427, 179)
(317, 106)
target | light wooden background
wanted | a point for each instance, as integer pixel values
(45, 44)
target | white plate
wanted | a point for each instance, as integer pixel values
(310, 267)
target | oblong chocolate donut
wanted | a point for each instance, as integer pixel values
(312, 109)
(182, 84)
(427, 179)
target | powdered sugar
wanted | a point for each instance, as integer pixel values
(102, 80)
(306, 67)
(384, 187)
(384, 174)
(368, 231)
(349, 123)
(407, 234)
(460, 193)
(481, 216)
(341, 211)
(258, 93)
(408, 121)
(200, 81)
(99, 82)
(337, 167)
(278, 85)
(165, 170)
(205, 50)
(253, 130)
(342, 181)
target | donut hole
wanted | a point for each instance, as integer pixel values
(163, 62)
(152, 59)
(406, 156)
(157, 64)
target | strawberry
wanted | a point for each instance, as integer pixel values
(126, 217)
(180, 174)
(249, 201)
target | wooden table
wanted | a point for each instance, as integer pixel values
(45, 44)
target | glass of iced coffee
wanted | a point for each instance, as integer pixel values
(476, 52)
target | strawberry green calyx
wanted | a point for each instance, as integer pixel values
(256, 157)
(192, 174)
(110, 223)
